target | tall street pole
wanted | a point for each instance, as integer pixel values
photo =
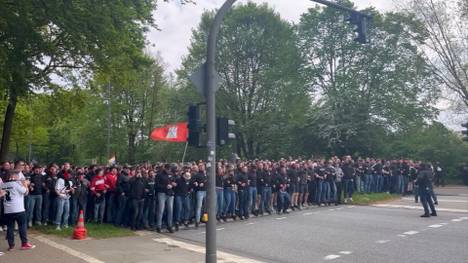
(210, 73)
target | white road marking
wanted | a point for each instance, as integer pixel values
(400, 235)
(68, 250)
(420, 208)
(339, 208)
(463, 218)
(251, 223)
(436, 226)
(308, 214)
(218, 229)
(351, 206)
(332, 209)
(456, 220)
(382, 241)
(444, 224)
(330, 257)
(410, 233)
(222, 256)
(346, 252)
(280, 218)
(441, 200)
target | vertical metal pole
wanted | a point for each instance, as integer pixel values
(210, 72)
(109, 118)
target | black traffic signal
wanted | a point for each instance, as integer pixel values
(465, 132)
(223, 127)
(194, 126)
(362, 25)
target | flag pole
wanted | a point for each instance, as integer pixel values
(185, 151)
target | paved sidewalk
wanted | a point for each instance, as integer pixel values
(140, 248)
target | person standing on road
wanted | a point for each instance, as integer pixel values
(13, 191)
(63, 189)
(424, 185)
(165, 184)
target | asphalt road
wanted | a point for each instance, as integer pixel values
(344, 234)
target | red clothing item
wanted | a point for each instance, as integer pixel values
(98, 184)
(111, 181)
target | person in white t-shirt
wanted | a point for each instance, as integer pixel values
(13, 191)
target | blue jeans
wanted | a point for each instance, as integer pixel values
(368, 183)
(283, 201)
(319, 192)
(200, 196)
(123, 212)
(380, 183)
(63, 210)
(252, 198)
(400, 184)
(20, 219)
(230, 198)
(219, 201)
(243, 203)
(348, 188)
(165, 202)
(110, 207)
(426, 200)
(332, 192)
(182, 208)
(358, 184)
(265, 200)
(149, 211)
(99, 209)
(325, 192)
(35, 207)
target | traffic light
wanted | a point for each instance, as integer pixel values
(465, 132)
(362, 25)
(223, 127)
(194, 126)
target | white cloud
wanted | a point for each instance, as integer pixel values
(176, 22)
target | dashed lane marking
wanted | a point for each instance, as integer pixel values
(444, 224)
(251, 223)
(68, 250)
(401, 235)
(332, 209)
(436, 226)
(463, 218)
(382, 241)
(281, 218)
(219, 229)
(222, 256)
(410, 233)
(457, 220)
(330, 257)
(308, 214)
(346, 252)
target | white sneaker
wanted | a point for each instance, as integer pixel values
(65, 226)
(1, 253)
(351, 199)
(30, 224)
(58, 228)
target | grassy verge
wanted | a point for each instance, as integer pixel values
(98, 231)
(368, 199)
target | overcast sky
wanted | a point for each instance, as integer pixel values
(176, 22)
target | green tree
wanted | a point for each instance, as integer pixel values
(259, 65)
(363, 91)
(42, 38)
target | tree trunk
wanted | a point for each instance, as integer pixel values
(131, 148)
(7, 126)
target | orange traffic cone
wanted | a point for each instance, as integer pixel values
(80, 231)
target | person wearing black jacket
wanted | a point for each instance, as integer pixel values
(219, 191)
(264, 182)
(49, 196)
(252, 181)
(165, 183)
(35, 196)
(424, 186)
(80, 195)
(348, 180)
(123, 190)
(138, 189)
(149, 211)
(284, 199)
(229, 194)
(243, 192)
(183, 200)
(199, 184)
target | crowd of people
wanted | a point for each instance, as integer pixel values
(163, 195)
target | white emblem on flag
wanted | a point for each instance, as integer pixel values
(172, 132)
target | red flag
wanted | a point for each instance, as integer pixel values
(171, 133)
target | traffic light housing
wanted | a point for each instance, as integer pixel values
(362, 25)
(194, 126)
(223, 130)
(465, 132)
